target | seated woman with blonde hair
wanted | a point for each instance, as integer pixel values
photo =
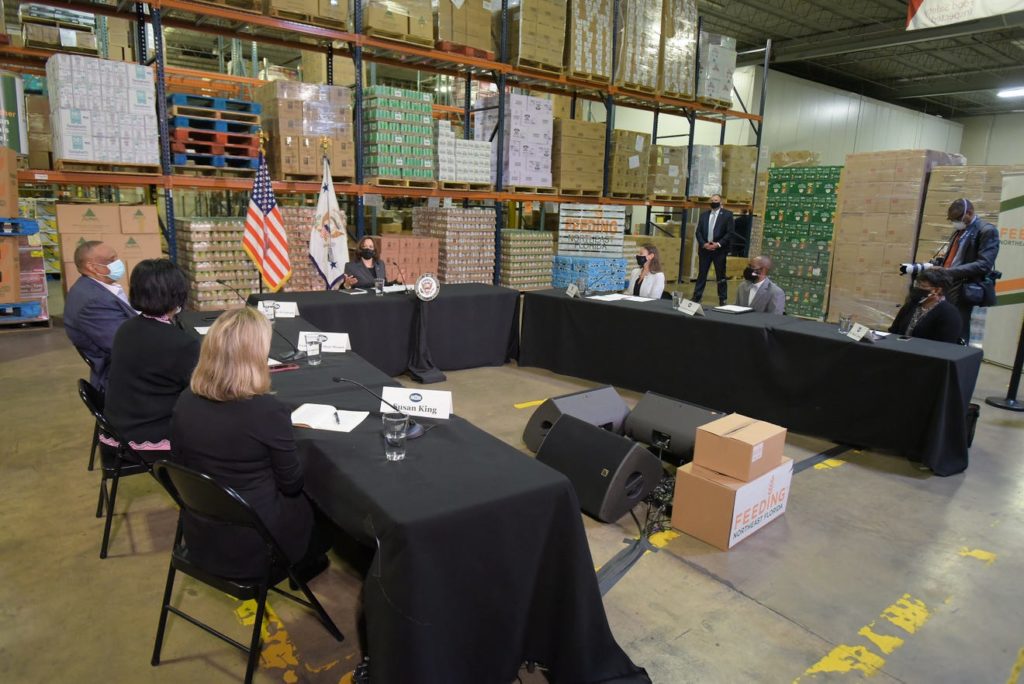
(229, 426)
(647, 280)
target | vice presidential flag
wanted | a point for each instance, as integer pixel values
(265, 240)
(327, 240)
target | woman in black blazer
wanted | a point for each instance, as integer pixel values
(366, 268)
(229, 426)
(926, 313)
(152, 358)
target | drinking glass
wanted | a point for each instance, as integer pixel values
(269, 310)
(395, 427)
(378, 286)
(676, 299)
(313, 344)
(845, 323)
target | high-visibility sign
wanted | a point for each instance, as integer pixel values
(930, 13)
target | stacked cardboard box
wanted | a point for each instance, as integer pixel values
(981, 185)
(668, 253)
(329, 12)
(102, 111)
(738, 162)
(297, 117)
(120, 40)
(40, 131)
(465, 242)
(398, 133)
(133, 231)
(526, 259)
(591, 274)
(413, 254)
(297, 224)
(314, 69)
(717, 66)
(527, 138)
(210, 249)
(408, 19)
(536, 33)
(465, 22)
(738, 482)
(630, 163)
(798, 233)
(880, 198)
(460, 160)
(577, 155)
(589, 53)
(639, 45)
(32, 275)
(706, 171)
(678, 48)
(666, 177)
(591, 230)
(50, 27)
(796, 158)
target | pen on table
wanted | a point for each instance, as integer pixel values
(337, 420)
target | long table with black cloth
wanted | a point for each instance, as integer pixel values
(480, 560)
(905, 395)
(469, 326)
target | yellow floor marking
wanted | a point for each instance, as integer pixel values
(844, 658)
(986, 556)
(885, 643)
(1018, 667)
(909, 614)
(347, 678)
(660, 540)
(529, 404)
(278, 649)
(829, 464)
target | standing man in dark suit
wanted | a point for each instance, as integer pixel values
(715, 230)
(96, 306)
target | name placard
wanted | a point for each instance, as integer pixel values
(329, 342)
(860, 332)
(418, 402)
(572, 290)
(690, 308)
(281, 309)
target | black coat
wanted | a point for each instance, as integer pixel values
(365, 276)
(725, 229)
(942, 323)
(980, 249)
(92, 315)
(249, 446)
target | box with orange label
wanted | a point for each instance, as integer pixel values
(740, 447)
(722, 511)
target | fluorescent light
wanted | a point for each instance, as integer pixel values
(1012, 92)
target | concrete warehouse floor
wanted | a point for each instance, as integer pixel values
(876, 568)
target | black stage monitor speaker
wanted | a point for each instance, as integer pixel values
(602, 407)
(611, 474)
(668, 424)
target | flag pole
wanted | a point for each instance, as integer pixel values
(263, 153)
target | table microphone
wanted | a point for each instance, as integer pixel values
(414, 430)
(294, 354)
(405, 283)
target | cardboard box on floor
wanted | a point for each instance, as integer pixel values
(739, 447)
(722, 511)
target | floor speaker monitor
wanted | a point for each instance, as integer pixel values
(602, 407)
(668, 424)
(611, 474)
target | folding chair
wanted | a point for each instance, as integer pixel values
(96, 427)
(202, 496)
(116, 462)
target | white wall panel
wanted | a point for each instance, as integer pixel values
(994, 139)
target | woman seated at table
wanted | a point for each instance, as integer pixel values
(926, 313)
(647, 279)
(366, 268)
(229, 426)
(152, 358)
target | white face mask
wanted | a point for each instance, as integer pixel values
(958, 225)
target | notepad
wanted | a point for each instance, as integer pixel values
(202, 329)
(733, 309)
(326, 417)
(273, 362)
(389, 289)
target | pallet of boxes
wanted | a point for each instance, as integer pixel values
(590, 239)
(211, 255)
(677, 67)
(408, 256)
(738, 482)
(299, 120)
(527, 141)
(332, 13)
(588, 53)
(639, 46)
(464, 27)
(717, 67)
(406, 21)
(666, 177)
(536, 35)
(630, 165)
(465, 241)
(526, 259)
(577, 157)
(398, 137)
(461, 164)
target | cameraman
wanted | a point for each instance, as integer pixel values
(970, 260)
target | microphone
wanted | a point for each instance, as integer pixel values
(405, 283)
(294, 354)
(414, 431)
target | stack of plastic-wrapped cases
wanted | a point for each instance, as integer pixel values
(639, 45)
(678, 49)
(717, 65)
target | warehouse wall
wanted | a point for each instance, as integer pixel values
(993, 139)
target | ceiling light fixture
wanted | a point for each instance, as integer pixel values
(1012, 92)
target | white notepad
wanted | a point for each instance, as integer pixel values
(325, 417)
(733, 309)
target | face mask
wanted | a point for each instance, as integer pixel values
(716, 205)
(367, 253)
(919, 294)
(116, 270)
(959, 225)
(641, 260)
(750, 275)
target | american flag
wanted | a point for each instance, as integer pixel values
(265, 240)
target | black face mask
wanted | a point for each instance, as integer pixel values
(750, 275)
(641, 260)
(716, 205)
(367, 253)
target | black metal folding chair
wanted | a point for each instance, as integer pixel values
(202, 496)
(96, 427)
(116, 462)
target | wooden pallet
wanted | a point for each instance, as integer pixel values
(637, 89)
(51, 46)
(400, 37)
(466, 50)
(197, 147)
(311, 19)
(686, 97)
(745, 200)
(531, 189)
(193, 112)
(465, 185)
(666, 198)
(540, 67)
(106, 167)
(590, 78)
(310, 178)
(56, 23)
(193, 135)
(579, 192)
(699, 198)
(627, 195)
(250, 6)
(716, 104)
(401, 183)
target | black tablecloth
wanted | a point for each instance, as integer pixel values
(482, 562)
(910, 396)
(469, 326)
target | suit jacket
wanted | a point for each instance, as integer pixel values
(652, 287)
(365, 276)
(769, 298)
(979, 248)
(92, 315)
(942, 323)
(725, 228)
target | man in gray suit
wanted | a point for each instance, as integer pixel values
(757, 291)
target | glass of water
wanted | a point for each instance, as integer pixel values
(269, 310)
(378, 286)
(313, 348)
(396, 425)
(845, 323)
(676, 299)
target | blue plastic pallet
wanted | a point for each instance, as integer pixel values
(223, 104)
(20, 312)
(16, 227)
(218, 125)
